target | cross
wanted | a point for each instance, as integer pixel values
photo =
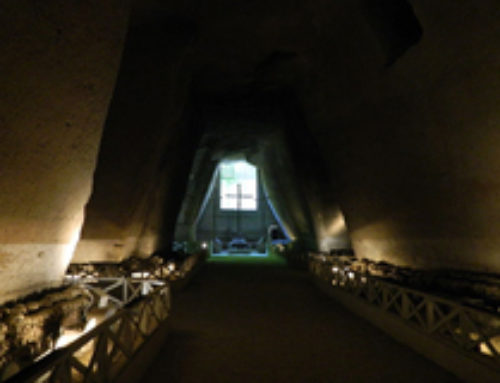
(239, 196)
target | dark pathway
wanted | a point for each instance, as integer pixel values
(267, 323)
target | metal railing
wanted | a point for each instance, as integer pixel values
(101, 354)
(119, 290)
(470, 330)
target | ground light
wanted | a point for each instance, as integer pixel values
(69, 336)
(248, 258)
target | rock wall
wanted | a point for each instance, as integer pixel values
(144, 157)
(413, 146)
(366, 129)
(31, 327)
(58, 64)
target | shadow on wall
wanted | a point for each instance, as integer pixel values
(395, 25)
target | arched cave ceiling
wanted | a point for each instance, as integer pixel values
(390, 125)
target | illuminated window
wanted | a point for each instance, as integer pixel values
(238, 186)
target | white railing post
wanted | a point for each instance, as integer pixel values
(469, 329)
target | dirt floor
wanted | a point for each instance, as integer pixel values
(263, 322)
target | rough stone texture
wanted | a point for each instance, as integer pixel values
(414, 150)
(30, 327)
(396, 143)
(172, 267)
(471, 288)
(362, 136)
(58, 63)
(143, 147)
(264, 129)
(409, 148)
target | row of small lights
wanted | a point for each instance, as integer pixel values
(136, 274)
(351, 275)
(72, 335)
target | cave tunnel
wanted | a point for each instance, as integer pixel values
(372, 126)
(237, 215)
